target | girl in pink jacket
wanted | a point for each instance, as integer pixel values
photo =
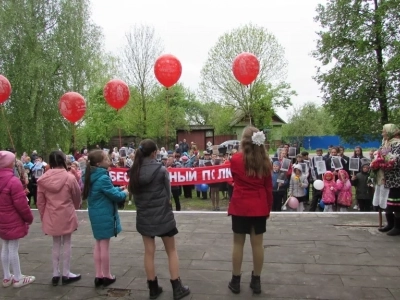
(328, 193)
(15, 218)
(345, 196)
(57, 198)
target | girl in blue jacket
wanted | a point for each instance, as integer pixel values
(102, 198)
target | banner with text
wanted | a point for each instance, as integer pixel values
(182, 176)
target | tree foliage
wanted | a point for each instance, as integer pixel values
(308, 120)
(269, 90)
(359, 51)
(140, 52)
(46, 49)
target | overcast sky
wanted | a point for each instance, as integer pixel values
(189, 28)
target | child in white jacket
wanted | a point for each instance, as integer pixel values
(297, 186)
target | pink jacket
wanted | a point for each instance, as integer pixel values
(58, 196)
(15, 213)
(328, 194)
(345, 196)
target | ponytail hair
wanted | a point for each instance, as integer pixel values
(57, 159)
(146, 148)
(95, 157)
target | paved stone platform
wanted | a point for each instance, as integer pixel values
(307, 256)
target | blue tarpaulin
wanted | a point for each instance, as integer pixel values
(314, 142)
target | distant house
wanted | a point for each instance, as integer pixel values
(273, 131)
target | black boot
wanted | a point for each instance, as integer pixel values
(255, 284)
(155, 290)
(179, 290)
(234, 284)
(396, 228)
(390, 222)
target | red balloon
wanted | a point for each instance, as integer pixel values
(116, 92)
(246, 68)
(5, 89)
(168, 70)
(72, 106)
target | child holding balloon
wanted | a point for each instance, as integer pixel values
(297, 186)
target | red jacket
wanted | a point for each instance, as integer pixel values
(15, 213)
(252, 196)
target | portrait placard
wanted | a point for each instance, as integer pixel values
(208, 163)
(285, 164)
(321, 167)
(281, 177)
(304, 168)
(38, 173)
(337, 162)
(292, 152)
(122, 152)
(354, 164)
(317, 159)
(307, 162)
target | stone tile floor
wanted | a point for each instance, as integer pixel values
(307, 256)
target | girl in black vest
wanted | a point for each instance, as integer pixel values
(151, 189)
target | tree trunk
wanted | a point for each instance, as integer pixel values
(381, 76)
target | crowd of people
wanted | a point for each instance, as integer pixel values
(258, 183)
(297, 180)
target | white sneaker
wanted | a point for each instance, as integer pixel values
(355, 207)
(25, 280)
(8, 282)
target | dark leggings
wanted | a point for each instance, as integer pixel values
(175, 194)
(316, 196)
(187, 191)
(365, 204)
(278, 200)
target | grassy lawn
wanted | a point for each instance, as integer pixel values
(199, 204)
(186, 204)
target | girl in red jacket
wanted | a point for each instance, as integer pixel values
(15, 218)
(250, 204)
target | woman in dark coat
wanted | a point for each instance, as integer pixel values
(151, 189)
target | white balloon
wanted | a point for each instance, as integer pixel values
(318, 184)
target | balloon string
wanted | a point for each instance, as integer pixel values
(7, 127)
(119, 133)
(167, 119)
(73, 135)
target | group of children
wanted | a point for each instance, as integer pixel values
(59, 195)
(336, 193)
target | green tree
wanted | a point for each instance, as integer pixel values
(358, 48)
(269, 90)
(138, 56)
(308, 120)
(46, 49)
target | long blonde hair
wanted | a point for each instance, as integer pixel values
(256, 159)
